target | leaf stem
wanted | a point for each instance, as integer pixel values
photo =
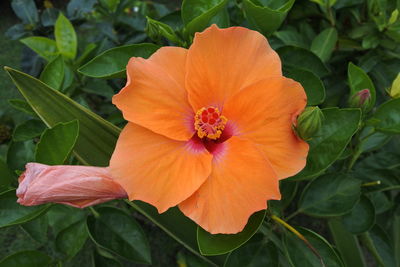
(94, 212)
(300, 236)
(288, 218)
(371, 247)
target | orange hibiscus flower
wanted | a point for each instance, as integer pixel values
(209, 128)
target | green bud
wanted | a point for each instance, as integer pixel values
(360, 99)
(394, 91)
(155, 29)
(309, 122)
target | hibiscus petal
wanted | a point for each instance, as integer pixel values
(156, 169)
(155, 96)
(241, 182)
(78, 186)
(221, 62)
(264, 112)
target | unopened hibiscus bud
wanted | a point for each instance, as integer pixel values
(394, 91)
(77, 186)
(360, 99)
(309, 122)
(156, 29)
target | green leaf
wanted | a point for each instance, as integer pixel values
(156, 28)
(358, 81)
(66, 40)
(71, 239)
(44, 47)
(223, 243)
(338, 127)
(28, 130)
(26, 10)
(6, 176)
(37, 229)
(301, 255)
(60, 217)
(23, 106)
(20, 153)
(118, 232)
(313, 85)
(26, 259)
(324, 44)
(256, 252)
(302, 58)
(11, 213)
(382, 245)
(97, 137)
(53, 73)
(198, 15)
(387, 117)
(330, 195)
(346, 243)
(112, 63)
(266, 18)
(361, 218)
(56, 143)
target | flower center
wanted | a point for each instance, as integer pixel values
(209, 123)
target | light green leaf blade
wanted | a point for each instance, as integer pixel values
(53, 73)
(112, 63)
(44, 47)
(66, 39)
(324, 43)
(56, 143)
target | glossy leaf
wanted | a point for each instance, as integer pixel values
(37, 229)
(44, 47)
(301, 255)
(23, 106)
(6, 176)
(358, 81)
(60, 217)
(383, 246)
(338, 127)
(26, 259)
(26, 10)
(302, 58)
(71, 240)
(156, 28)
(387, 117)
(330, 195)
(97, 137)
(361, 218)
(222, 243)
(120, 233)
(313, 85)
(324, 44)
(256, 252)
(198, 15)
(112, 63)
(20, 153)
(28, 130)
(53, 73)
(11, 213)
(56, 143)
(266, 18)
(66, 39)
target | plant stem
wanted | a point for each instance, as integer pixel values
(94, 212)
(288, 218)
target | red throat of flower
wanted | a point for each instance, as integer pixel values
(209, 123)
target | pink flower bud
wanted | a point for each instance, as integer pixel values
(360, 99)
(77, 186)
